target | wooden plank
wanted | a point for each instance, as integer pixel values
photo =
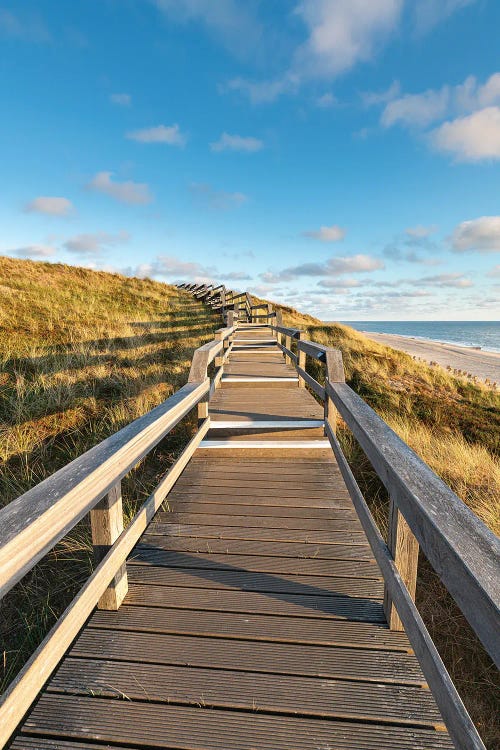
(338, 607)
(236, 689)
(253, 627)
(151, 555)
(342, 520)
(364, 665)
(159, 725)
(268, 513)
(229, 547)
(250, 533)
(244, 580)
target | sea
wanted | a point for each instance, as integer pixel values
(485, 334)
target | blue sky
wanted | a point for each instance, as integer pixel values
(341, 156)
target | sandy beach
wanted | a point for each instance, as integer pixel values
(484, 365)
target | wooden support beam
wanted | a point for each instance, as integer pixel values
(279, 322)
(404, 549)
(106, 521)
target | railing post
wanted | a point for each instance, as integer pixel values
(334, 374)
(219, 360)
(106, 521)
(301, 358)
(404, 549)
(288, 344)
(279, 322)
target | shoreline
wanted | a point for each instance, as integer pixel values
(479, 363)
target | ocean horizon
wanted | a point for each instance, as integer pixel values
(472, 333)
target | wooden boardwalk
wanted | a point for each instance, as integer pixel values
(254, 616)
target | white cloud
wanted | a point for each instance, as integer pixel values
(50, 205)
(263, 92)
(170, 134)
(475, 137)
(327, 234)
(217, 199)
(234, 276)
(482, 235)
(372, 98)
(121, 100)
(421, 232)
(126, 192)
(34, 251)
(94, 244)
(417, 110)
(339, 283)
(228, 142)
(335, 266)
(168, 266)
(326, 101)
(428, 13)
(342, 33)
(456, 280)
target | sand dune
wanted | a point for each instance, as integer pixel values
(484, 365)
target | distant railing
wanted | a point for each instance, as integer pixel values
(423, 511)
(33, 524)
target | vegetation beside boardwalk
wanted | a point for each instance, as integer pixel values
(83, 353)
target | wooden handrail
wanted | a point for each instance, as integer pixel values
(31, 525)
(460, 547)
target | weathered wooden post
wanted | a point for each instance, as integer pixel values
(404, 549)
(106, 522)
(279, 322)
(219, 359)
(335, 373)
(301, 358)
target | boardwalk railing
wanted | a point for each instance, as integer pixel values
(33, 524)
(424, 511)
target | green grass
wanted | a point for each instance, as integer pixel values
(83, 353)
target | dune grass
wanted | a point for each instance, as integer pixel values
(83, 353)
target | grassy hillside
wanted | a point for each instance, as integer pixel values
(83, 353)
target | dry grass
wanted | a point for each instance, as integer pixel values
(81, 355)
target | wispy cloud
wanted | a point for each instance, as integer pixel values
(50, 205)
(216, 199)
(34, 252)
(420, 231)
(126, 192)
(429, 13)
(121, 100)
(228, 142)
(336, 266)
(230, 21)
(456, 280)
(326, 101)
(94, 244)
(326, 234)
(481, 235)
(170, 134)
